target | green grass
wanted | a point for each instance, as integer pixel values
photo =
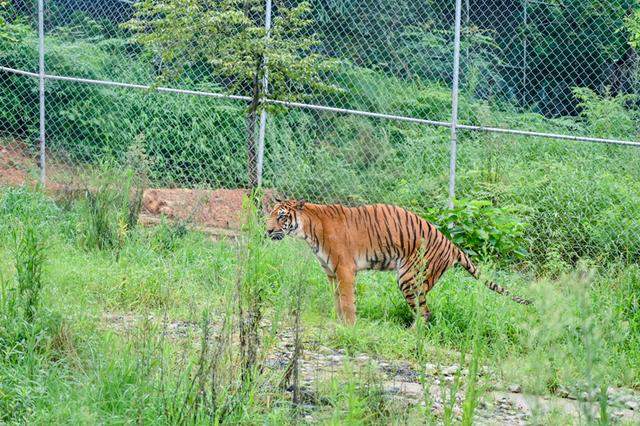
(68, 364)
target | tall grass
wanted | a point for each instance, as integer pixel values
(29, 260)
(32, 337)
(110, 209)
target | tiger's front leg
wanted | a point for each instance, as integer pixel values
(343, 283)
(333, 281)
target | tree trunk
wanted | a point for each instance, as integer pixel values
(252, 159)
(251, 120)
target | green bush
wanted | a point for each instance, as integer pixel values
(22, 205)
(482, 229)
(608, 116)
(191, 140)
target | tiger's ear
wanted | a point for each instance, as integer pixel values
(277, 199)
(300, 204)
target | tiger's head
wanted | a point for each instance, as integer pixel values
(284, 219)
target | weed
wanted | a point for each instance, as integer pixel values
(109, 211)
(29, 261)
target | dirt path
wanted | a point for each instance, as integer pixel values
(401, 381)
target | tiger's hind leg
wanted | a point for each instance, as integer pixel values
(417, 278)
(411, 281)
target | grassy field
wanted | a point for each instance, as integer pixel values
(104, 322)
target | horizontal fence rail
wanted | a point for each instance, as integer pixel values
(325, 108)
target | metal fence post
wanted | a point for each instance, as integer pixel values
(263, 112)
(43, 170)
(525, 6)
(454, 104)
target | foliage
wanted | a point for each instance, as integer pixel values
(28, 329)
(426, 44)
(168, 236)
(632, 25)
(29, 259)
(230, 36)
(11, 31)
(482, 229)
(21, 204)
(608, 116)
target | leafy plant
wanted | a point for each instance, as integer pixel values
(632, 25)
(482, 229)
(607, 115)
(420, 44)
(167, 235)
(11, 31)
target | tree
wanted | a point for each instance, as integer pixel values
(230, 36)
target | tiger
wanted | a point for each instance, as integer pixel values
(382, 237)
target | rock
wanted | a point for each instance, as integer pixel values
(362, 358)
(451, 370)
(334, 358)
(632, 405)
(515, 388)
(430, 369)
(324, 350)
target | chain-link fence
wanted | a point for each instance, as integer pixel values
(546, 95)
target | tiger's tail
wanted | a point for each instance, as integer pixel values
(467, 264)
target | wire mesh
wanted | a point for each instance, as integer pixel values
(566, 67)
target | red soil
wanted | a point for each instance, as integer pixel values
(216, 208)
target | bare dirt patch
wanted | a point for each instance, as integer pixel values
(16, 168)
(213, 208)
(209, 210)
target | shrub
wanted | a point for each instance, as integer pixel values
(482, 229)
(607, 116)
(22, 205)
